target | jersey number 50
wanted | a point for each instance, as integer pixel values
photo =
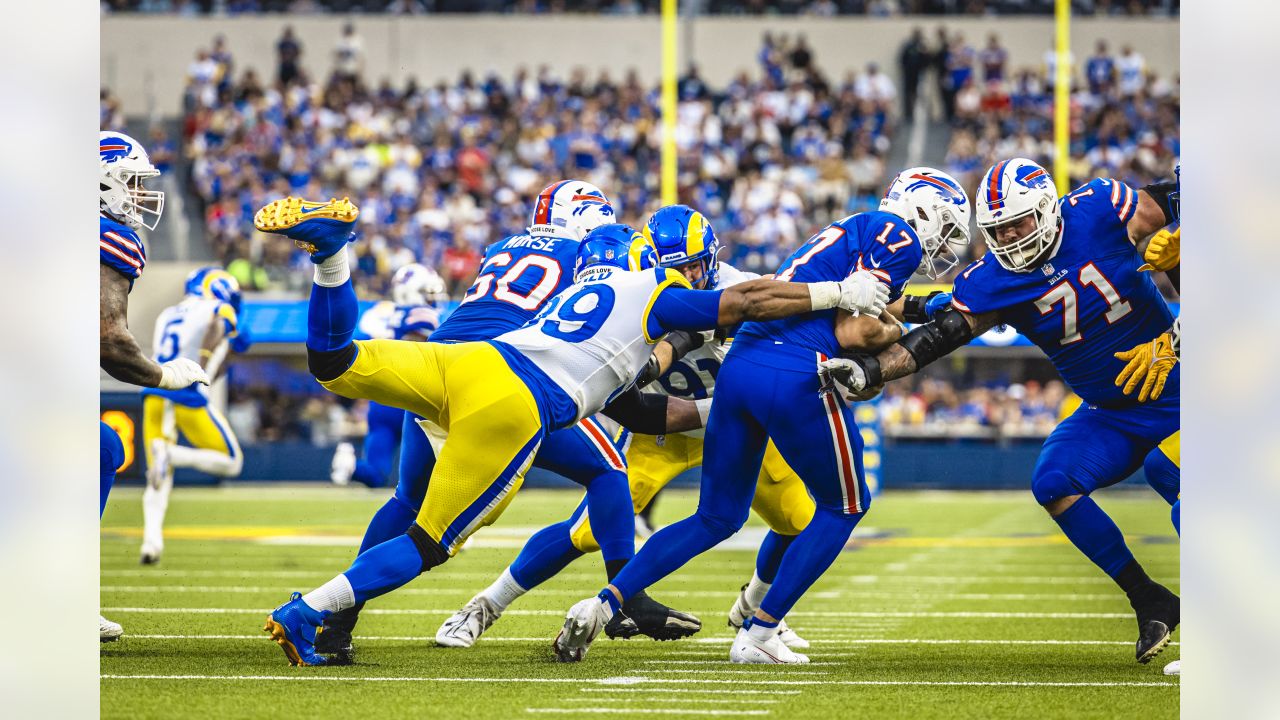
(504, 288)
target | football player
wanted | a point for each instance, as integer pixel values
(685, 242)
(417, 295)
(497, 400)
(199, 328)
(769, 389)
(124, 206)
(1064, 273)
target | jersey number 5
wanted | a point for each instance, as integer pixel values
(503, 290)
(1066, 294)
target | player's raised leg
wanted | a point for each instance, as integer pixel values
(1094, 448)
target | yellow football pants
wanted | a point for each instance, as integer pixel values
(1172, 448)
(488, 412)
(203, 427)
(781, 499)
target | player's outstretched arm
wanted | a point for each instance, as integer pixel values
(118, 351)
(868, 334)
(861, 293)
(655, 413)
(860, 376)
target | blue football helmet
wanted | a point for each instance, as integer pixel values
(616, 245)
(195, 281)
(680, 235)
(214, 283)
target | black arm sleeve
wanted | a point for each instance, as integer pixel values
(913, 307)
(1166, 196)
(644, 413)
(947, 331)
(682, 343)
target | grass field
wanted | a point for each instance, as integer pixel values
(947, 605)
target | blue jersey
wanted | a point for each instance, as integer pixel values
(120, 248)
(1086, 303)
(879, 242)
(518, 275)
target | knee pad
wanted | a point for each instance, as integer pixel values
(1050, 485)
(432, 552)
(328, 365)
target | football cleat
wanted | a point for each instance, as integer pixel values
(746, 649)
(582, 624)
(1157, 611)
(742, 610)
(150, 554)
(1173, 668)
(344, 464)
(320, 228)
(293, 627)
(334, 636)
(108, 631)
(642, 615)
(465, 627)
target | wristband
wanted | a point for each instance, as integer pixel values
(704, 409)
(824, 295)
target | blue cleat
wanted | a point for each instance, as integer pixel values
(293, 627)
(320, 228)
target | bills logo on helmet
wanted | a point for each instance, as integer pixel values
(1031, 176)
(947, 188)
(114, 147)
(589, 198)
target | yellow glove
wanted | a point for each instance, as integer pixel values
(1163, 252)
(1149, 364)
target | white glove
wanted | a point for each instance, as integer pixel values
(180, 373)
(846, 377)
(863, 293)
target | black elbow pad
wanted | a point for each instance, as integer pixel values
(644, 413)
(1166, 196)
(947, 331)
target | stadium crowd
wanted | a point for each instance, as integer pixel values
(441, 170)
(820, 8)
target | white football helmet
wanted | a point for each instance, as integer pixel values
(125, 165)
(416, 284)
(937, 208)
(570, 209)
(1011, 191)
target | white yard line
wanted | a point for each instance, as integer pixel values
(630, 711)
(558, 613)
(733, 679)
(818, 639)
(651, 701)
(690, 690)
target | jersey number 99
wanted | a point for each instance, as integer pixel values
(577, 319)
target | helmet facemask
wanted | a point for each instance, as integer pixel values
(1036, 246)
(942, 235)
(124, 197)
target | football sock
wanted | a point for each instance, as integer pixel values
(332, 313)
(384, 568)
(155, 501)
(334, 270)
(503, 591)
(392, 519)
(333, 596)
(809, 556)
(206, 461)
(1093, 532)
(613, 522)
(756, 590)
(549, 551)
(770, 555)
(1132, 577)
(1176, 515)
(760, 630)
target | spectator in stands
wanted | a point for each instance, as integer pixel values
(993, 59)
(1100, 69)
(460, 263)
(1132, 71)
(959, 68)
(913, 60)
(348, 55)
(288, 57)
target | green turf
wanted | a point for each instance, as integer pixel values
(930, 567)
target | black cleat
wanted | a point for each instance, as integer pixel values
(1157, 610)
(642, 615)
(334, 638)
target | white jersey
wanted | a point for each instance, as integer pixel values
(591, 338)
(181, 329)
(694, 376)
